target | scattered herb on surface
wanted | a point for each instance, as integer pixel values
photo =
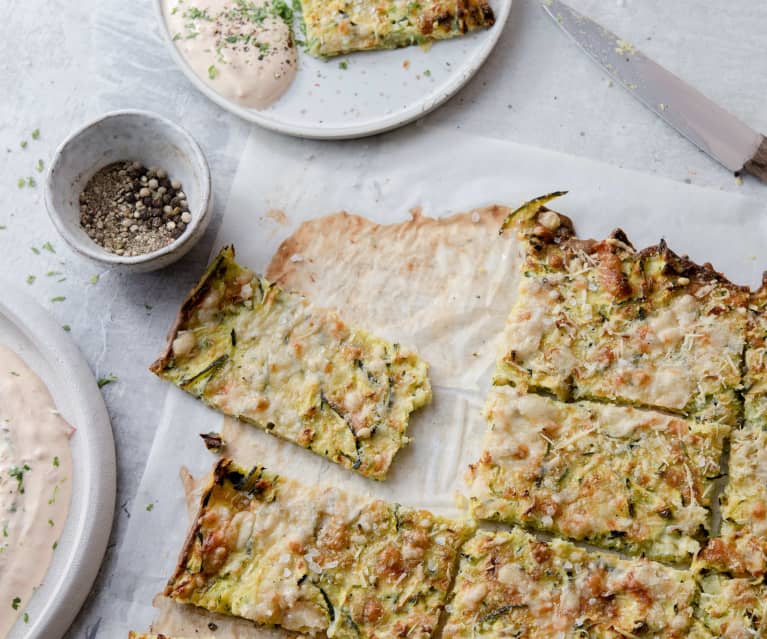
(109, 379)
(56, 461)
(150, 507)
(49, 247)
(31, 183)
(212, 72)
(15, 603)
(36, 134)
(67, 328)
(23, 144)
(58, 298)
(21, 183)
(35, 250)
(343, 65)
(31, 279)
(17, 472)
(94, 279)
(40, 166)
(26, 617)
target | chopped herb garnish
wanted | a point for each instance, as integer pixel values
(58, 298)
(150, 507)
(67, 327)
(52, 273)
(31, 183)
(427, 73)
(31, 279)
(49, 247)
(343, 65)
(55, 545)
(23, 144)
(16, 603)
(17, 472)
(21, 183)
(40, 166)
(94, 278)
(36, 134)
(26, 617)
(35, 250)
(56, 461)
(50, 523)
(212, 72)
(109, 379)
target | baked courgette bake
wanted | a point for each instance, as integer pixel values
(316, 560)
(511, 584)
(336, 27)
(632, 480)
(267, 356)
(599, 320)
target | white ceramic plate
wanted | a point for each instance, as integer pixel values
(28, 330)
(377, 91)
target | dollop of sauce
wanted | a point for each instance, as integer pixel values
(35, 484)
(243, 49)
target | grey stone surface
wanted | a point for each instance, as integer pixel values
(64, 62)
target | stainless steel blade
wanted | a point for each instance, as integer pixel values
(703, 122)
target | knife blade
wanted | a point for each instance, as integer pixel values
(707, 125)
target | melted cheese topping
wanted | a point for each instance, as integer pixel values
(730, 608)
(35, 484)
(268, 357)
(620, 477)
(610, 324)
(316, 560)
(512, 585)
(335, 27)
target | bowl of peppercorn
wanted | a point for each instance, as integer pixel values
(131, 190)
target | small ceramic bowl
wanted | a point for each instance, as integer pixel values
(127, 135)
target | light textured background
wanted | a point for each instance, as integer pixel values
(62, 63)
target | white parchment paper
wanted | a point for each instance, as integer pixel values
(280, 183)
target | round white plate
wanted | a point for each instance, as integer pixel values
(32, 333)
(377, 91)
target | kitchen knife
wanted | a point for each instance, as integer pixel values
(707, 125)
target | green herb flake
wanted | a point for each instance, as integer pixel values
(3, 227)
(31, 182)
(58, 298)
(94, 279)
(16, 603)
(36, 134)
(23, 144)
(56, 461)
(50, 523)
(109, 379)
(49, 247)
(17, 473)
(150, 507)
(26, 617)
(31, 279)
(212, 72)
(40, 166)
(67, 328)
(343, 65)
(35, 250)
(427, 73)
(21, 183)
(55, 545)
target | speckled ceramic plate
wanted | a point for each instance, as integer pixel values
(32, 333)
(375, 91)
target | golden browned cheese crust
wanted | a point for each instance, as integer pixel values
(267, 356)
(315, 560)
(633, 480)
(730, 608)
(336, 27)
(600, 320)
(510, 584)
(742, 548)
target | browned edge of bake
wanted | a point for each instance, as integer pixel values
(216, 478)
(192, 300)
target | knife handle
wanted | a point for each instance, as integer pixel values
(757, 165)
